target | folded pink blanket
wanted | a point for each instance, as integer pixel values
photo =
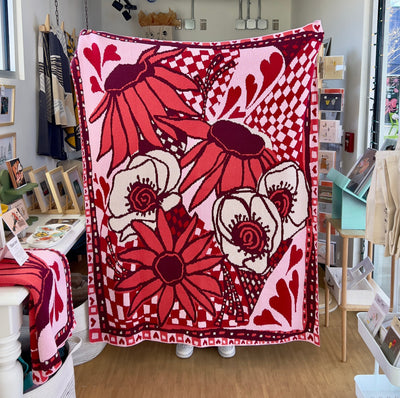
(200, 174)
(51, 319)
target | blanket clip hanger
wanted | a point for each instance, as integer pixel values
(46, 26)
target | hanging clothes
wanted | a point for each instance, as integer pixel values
(50, 136)
(56, 108)
(72, 134)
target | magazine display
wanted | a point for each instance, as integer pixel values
(48, 235)
(361, 171)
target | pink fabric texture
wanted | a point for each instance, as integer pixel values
(51, 319)
(200, 175)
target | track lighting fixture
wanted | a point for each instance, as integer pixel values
(128, 7)
(127, 15)
(117, 5)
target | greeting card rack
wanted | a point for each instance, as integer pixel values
(346, 205)
(331, 102)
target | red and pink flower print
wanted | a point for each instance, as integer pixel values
(285, 185)
(251, 224)
(229, 156)
(248, 229)
(131, 101)
(147, 184)
(171, 269)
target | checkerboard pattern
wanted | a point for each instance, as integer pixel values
(286, 114)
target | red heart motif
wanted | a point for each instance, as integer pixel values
(92, 322)
(294, 286)
(187, 341)
(232, 97)
(251, 88)
(172, 339)
(95, 85)
(295, 256)
(110, 54)
(282, 302)
(155, 335)
(271, 69)
(94, 57)
(58, 305)
(266, 318)
(105, 186)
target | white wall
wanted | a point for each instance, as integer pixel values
(347, 22)
(26, 98)
(343, 20)
(220, 14)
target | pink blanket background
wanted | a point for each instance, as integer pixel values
(200, 175)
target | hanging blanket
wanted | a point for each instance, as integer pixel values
(200, 173)
(46, 275)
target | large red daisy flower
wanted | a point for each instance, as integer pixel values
(171, 269)
(134, 94)
(229, 156)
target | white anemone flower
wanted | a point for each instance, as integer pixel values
(149, 182)
(248, 229)
(286, 186)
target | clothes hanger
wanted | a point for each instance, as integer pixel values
(46, 26)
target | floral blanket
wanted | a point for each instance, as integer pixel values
(200, 175)
(51, 317)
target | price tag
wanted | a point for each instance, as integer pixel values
(17, 251)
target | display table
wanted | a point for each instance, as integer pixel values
(387, 384)
(11, 299)
(345, 234)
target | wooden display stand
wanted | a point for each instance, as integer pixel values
(346, 205)
(346, 234)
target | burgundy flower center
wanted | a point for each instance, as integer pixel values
(250, 237)
(282, 198)
(142, 198)
(125, 75)
(236, 139)
(169, 267)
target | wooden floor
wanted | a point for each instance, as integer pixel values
(296, 369)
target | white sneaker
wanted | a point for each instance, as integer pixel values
(184, 351)
(227, 351)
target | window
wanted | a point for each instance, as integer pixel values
(7, 47)
(387, 75)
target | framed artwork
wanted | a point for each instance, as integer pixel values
(73, 183)
(42, 191)
(15, 170)
(55, 179)
(20, 205)
(7, 105)
(29, 198)
(8, 148)
(15, 221)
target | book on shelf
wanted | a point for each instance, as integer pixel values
(391, 343)
(361, 172)
(376, 314)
